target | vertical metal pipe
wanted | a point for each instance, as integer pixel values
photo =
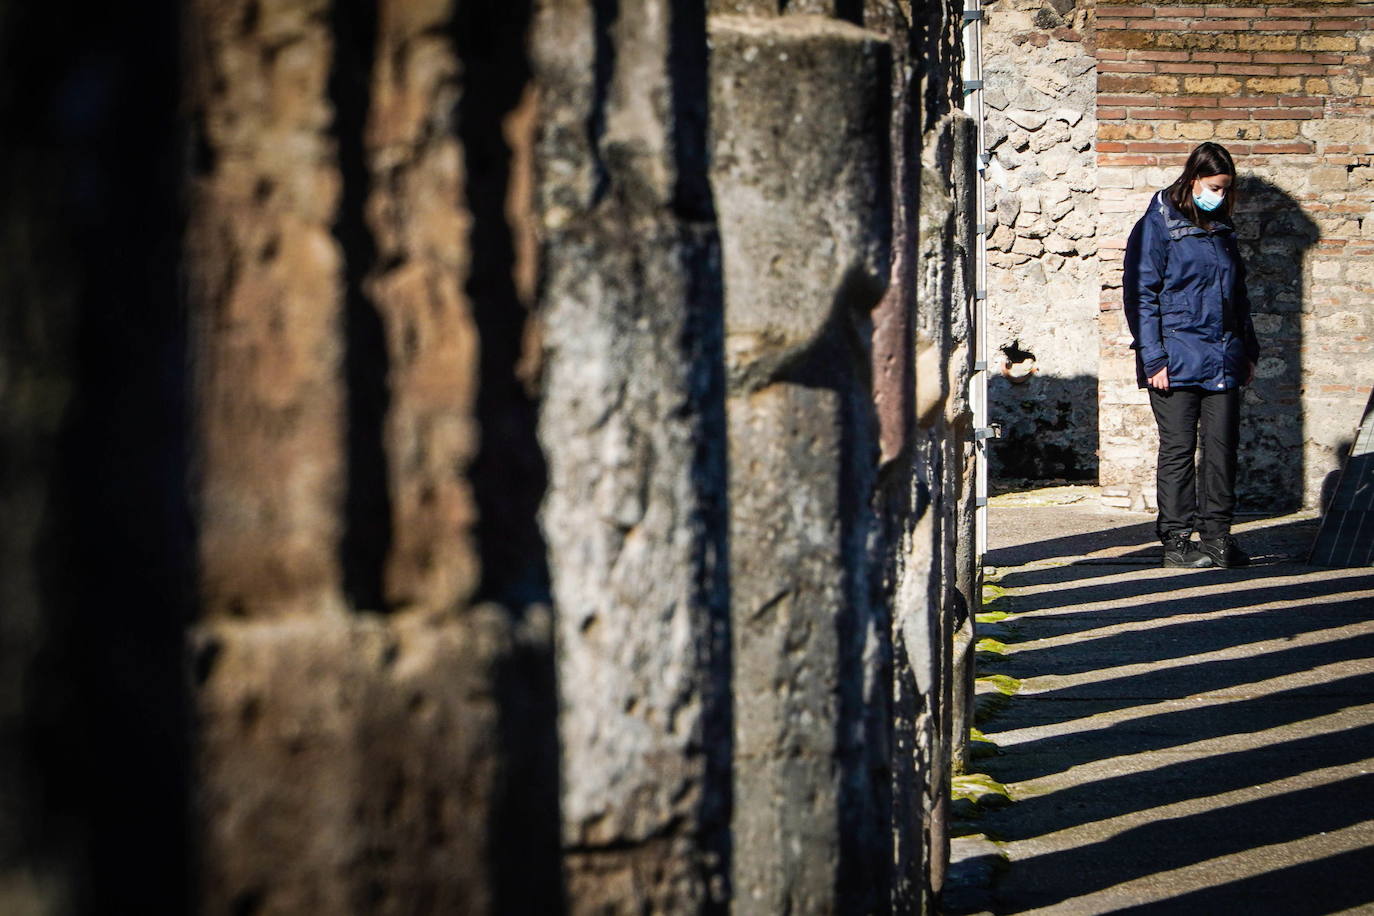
(978, 383)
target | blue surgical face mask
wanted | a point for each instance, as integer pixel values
(1208, 200)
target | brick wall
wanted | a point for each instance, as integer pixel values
(1289, 91)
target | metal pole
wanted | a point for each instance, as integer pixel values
(978, 383)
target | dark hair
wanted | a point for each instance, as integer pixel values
(1206, 160)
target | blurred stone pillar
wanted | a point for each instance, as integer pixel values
(357, 714)
(800, 172)
(632, 421)
(266, 286)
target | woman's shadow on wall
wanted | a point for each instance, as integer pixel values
(1275, 236)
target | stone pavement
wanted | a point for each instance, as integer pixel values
(1171, 741)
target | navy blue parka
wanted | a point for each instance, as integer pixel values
(1186, 303)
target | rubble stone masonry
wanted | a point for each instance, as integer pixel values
(1042, 237)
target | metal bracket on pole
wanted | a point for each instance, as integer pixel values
(993, 431)
(980, 501)
(972, 15)
(972, 86)
(980, 294)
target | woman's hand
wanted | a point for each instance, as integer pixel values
(1160, 379)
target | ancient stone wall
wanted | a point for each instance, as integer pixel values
(1040, 76)
(1287, 90)
(364, 720)
(376, 349)
(927, 498)
(802, 445)
(681, 301)
(633, 426)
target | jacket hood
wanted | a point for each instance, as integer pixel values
(1177, 224)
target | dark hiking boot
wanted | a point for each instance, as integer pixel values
(1181, 553)
(1224, 552)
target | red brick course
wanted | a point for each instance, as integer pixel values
(1289, 90)
(1218, 74)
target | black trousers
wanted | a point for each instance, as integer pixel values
(1198, 497)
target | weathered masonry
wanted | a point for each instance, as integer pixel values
(465, 457)
(1096, 106)
(1288, 89)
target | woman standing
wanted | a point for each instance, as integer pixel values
(1186, 304)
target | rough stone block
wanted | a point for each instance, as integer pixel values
(316, 793)
(420, 223)
(266, 291)
(782, 179)
(800, 428)
(632, 424)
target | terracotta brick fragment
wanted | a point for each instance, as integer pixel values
(1297, 147)
(1172, 25)
(1189, 101)
(1282, 114)
(1220, 25)
(1110, 160)
(1238, 57)
(1326, 11)
(1158, 147)
(1175, 56)
(1107, 66)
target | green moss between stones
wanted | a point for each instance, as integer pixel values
(991, 645)
(980, 747)
(1005, 685)
(973, 791)
(992, 593)
(991, 617)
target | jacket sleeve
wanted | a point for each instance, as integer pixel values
(1142, 281)
(1242, 297)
